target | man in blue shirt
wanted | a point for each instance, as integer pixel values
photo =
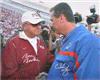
(79, 54)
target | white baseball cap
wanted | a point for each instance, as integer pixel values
(32, 17)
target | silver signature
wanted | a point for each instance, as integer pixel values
(63, 68)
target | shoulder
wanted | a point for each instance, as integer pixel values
(15, 38)
(12, 40)
(89, 40)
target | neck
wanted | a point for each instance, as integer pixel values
(68, 28)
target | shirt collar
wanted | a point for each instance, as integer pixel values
(22, 35)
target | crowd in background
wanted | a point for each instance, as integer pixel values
(56, 43)
(10, 25)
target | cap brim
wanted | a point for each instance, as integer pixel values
(36, 21)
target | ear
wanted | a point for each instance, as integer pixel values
(62, 18)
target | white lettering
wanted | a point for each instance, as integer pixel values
(63, 68)
(29, 58)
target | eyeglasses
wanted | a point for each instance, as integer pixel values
(35, 25)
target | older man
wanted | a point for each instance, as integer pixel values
(25, 55)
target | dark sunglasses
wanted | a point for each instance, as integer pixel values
(35, 25)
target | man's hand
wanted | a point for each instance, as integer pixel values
(42, 76)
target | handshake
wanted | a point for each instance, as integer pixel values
(42, 76)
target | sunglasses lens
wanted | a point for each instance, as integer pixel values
(41, 24)
(34, 25)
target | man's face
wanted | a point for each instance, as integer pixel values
(56, 23)
(33, 29)
(36, 29)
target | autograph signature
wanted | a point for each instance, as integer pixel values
(63, 67)
(29, 58)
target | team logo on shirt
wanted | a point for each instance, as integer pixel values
(29, 58)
